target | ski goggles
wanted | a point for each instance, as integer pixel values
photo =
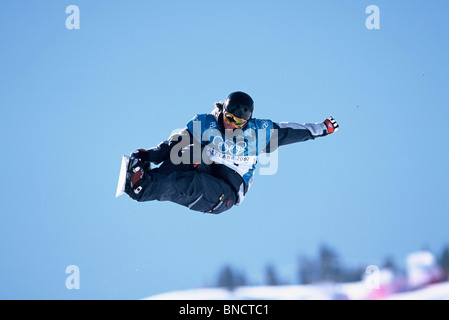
(230, 118)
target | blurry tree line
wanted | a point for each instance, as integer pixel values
(326, 267)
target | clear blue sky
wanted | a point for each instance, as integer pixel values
(73, 101)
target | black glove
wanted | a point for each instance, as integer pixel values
(141, 154)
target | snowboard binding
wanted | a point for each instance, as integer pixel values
(135, 175)
(132, 175)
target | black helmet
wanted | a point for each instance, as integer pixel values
(240, 105)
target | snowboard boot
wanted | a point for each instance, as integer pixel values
(134, 176)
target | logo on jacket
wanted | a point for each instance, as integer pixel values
(264, 124)
(229, 146)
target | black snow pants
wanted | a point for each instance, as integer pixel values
(193, 189)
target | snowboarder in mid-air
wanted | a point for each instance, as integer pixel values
(209, 165)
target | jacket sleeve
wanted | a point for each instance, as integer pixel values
(290, 132)
(162, 151)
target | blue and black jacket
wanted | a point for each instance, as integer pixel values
(230, 156)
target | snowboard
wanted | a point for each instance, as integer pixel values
(122, 177)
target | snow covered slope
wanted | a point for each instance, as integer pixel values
(352, 291)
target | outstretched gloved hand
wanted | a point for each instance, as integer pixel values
(331, 125)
